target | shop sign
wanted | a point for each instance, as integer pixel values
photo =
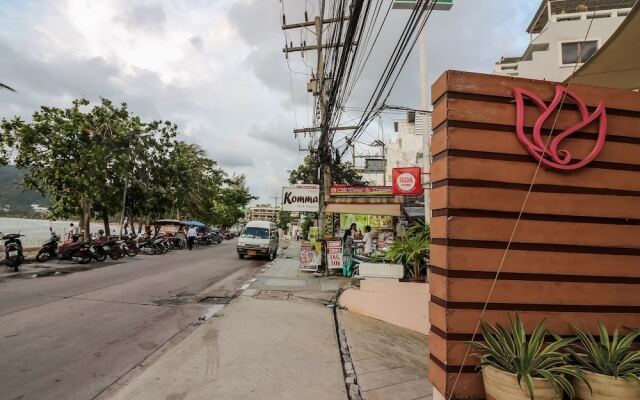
(407, 181)
(309, 259)
(334, 254)
(301, 198)
(548, 152)
(351, 191)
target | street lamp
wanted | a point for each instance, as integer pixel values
(425, 97)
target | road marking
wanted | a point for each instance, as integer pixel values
(245, 286)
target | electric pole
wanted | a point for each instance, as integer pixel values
(317, 87)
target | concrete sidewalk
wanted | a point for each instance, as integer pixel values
(390, 362)
(275, 341)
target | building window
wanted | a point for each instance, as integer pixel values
(578, 52)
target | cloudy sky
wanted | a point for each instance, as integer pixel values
(216, 67)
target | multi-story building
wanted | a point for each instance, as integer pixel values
(564, 35)
(263, 213)
(406, 149)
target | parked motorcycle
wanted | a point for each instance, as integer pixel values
(215, 237)
(13, 256)
(129, 246)
(49, 248)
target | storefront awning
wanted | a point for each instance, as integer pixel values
(617, 63)
(392, 210)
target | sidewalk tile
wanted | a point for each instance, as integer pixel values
(411, 390)
(379, 379)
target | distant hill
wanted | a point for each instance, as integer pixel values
(14, 200)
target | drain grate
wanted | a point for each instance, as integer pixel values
(215, 300)
(273, 295)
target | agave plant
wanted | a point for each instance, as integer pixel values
(527, 358)
(609, 355)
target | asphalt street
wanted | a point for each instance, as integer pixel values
(73, 336)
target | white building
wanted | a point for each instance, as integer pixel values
(406, 149)
(565, 33)
(263, 213)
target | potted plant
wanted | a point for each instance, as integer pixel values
(515, 367)
(412, 250)
(611, 367)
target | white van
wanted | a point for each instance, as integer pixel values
(259, 238)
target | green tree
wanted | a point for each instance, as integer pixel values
(284, 218)
(307, 172)
(84, 159)
(229, 205)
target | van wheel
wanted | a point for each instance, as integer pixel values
(241, 256)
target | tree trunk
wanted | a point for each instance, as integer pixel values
(105, 220)
(81, 222)
(133, 225)
(140, 224)
(87, 220)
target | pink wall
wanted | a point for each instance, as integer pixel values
(405, 304)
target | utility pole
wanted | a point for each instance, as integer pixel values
(317, 87)
(425, 97)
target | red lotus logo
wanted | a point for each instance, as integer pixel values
(553, 156)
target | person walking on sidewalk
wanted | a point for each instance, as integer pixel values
(191, 237)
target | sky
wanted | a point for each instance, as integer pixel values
(216, 67)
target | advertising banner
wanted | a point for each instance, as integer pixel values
(309, 258)
(407, 181)
(334, 254)
(301, 198)
(352, 191)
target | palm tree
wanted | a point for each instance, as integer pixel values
(3, 86)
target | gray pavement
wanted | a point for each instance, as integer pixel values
(73, 336)
(390, 362)
(275, 341)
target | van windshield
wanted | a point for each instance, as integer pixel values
(255, 233)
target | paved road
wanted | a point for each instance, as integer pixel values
(72, 336)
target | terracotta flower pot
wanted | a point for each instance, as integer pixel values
(606, 388)
(500, 385)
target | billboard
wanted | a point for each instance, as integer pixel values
(301, 198)
(407, 181)
(340, 190)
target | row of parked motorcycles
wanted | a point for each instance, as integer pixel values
(82, 252)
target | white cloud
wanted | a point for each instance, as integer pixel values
(216, 67)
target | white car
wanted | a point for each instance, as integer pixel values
(259, 238)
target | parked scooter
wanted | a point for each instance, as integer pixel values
(49, 248)
(13, 256)
(129, 246)
(74, 249)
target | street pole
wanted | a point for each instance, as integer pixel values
(425, 98)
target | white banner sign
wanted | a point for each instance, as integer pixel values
(302, 198)
(334, 254)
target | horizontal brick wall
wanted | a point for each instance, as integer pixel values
(575, 256)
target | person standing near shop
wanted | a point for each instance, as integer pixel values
(354, 231)
(191, 237)
(368, 241)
